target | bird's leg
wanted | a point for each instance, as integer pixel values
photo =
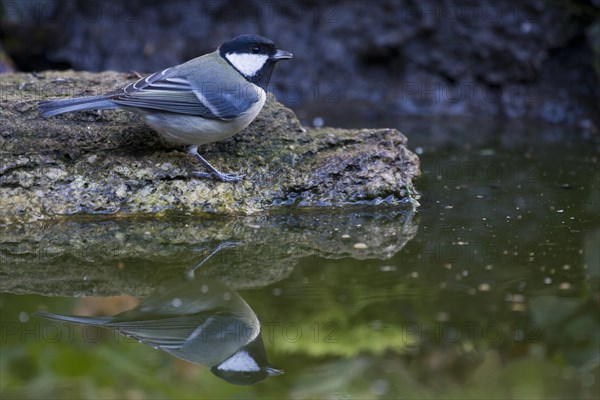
(190, 273)
(214, 173)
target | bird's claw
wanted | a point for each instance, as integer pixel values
(218, 176)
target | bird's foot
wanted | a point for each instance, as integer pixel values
(218, 176)
(190, 274)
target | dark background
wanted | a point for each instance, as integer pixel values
(512, 59)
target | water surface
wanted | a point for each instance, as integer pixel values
(489, 290)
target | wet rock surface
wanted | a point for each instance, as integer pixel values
(109, 162)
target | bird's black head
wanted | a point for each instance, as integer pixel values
(247, 366)
(253, 56)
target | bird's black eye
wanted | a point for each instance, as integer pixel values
(255, 50)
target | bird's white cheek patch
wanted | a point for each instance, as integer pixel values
(247, 64)
(239, 362)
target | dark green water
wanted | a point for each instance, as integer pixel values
(489, 290)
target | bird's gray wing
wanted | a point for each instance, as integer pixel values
(169, 91)
(172, 333)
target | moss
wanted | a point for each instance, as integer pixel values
(98, 162)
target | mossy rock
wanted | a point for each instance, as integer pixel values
(110, 162)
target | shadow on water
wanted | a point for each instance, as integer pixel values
(491, 290)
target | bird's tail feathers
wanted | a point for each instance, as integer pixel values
(75, 320)
(50, 108)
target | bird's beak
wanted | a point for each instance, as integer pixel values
(274, 372)
(282, 55)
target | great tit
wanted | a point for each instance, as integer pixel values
(207, 99)
(200, 321)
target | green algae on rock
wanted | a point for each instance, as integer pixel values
(110, 162)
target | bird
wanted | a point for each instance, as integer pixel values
(200, 321)
(207, 99)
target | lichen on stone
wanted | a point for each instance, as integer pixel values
(110, 162)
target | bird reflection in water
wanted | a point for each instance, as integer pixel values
(198, 320)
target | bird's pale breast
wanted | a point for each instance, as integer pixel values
(188, 129)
